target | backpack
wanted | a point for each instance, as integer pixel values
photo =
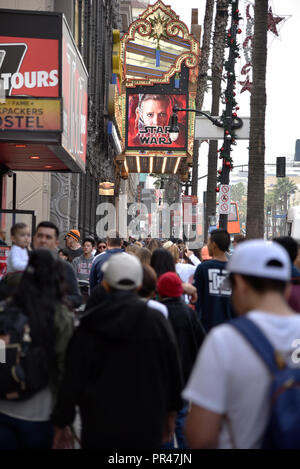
(24, 367)
(282, 430)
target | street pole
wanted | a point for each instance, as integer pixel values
(230, 104)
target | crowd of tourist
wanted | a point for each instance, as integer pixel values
(155, 345)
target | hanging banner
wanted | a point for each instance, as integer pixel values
(275, 22)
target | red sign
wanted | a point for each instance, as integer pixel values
(75, 102)
(224, 198)
(148, 121)
(4, 252)
(29, 66)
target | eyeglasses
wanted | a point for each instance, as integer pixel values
(102, 246)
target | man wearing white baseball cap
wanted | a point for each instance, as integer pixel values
(122, 369)
(230, 384)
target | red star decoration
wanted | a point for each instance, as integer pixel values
(273, 21)
(247, 85)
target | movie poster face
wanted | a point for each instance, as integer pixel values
(148, 121)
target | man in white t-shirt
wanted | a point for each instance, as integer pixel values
(229, 385)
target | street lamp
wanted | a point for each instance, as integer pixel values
(237, 122)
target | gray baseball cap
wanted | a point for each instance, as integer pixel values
(123, 272)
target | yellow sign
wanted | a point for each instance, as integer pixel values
(41, 114)
(116, 59)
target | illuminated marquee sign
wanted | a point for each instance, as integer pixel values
(31, 114)
(159, 60)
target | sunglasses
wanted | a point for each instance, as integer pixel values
(102, 246)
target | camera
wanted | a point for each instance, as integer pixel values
(10, 173)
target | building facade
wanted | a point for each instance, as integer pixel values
(70, 200)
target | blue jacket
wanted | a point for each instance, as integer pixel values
(96, 274)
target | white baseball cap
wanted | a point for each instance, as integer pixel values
(123, 272)
(261, 259)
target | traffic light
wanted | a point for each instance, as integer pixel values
(280, 167)
(269, 210)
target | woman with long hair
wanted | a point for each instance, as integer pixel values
(25, 421)
(153, 244)
(162, 262)
(185, 271)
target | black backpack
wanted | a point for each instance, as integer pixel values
(24, 367)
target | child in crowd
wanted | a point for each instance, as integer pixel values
(18, 257)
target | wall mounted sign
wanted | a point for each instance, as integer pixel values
(42, 114)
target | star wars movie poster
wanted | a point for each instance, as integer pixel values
(149, 118)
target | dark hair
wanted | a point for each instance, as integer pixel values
(114, 242)
(144, 255)
(149, 281)
(289, 244)
(196, 252)
(162, 261)
(48, 224)
(221, 238)
(261, 284)
(41, 288)
(16, 227)
(90, 240)
(103, 241)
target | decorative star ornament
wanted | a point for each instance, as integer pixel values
(247, 85)
(273, 21)
(158, 24)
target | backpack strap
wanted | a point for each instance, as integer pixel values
(257, 340)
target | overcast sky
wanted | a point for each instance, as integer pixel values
(283, 75)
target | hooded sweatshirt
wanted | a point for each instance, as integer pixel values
(123, 372)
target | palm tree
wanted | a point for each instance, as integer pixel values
(238, 191)
(282, 190)
(202, 82)
(277, 201)
(219, 42)
(270, 207)
(255, 206)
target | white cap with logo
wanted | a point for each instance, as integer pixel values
(123, 272)
(258, 258)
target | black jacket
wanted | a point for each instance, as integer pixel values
(123, 371)
(9, 286)
(97, 296)
(188, 332)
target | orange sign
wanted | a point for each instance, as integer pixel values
(42, 114)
